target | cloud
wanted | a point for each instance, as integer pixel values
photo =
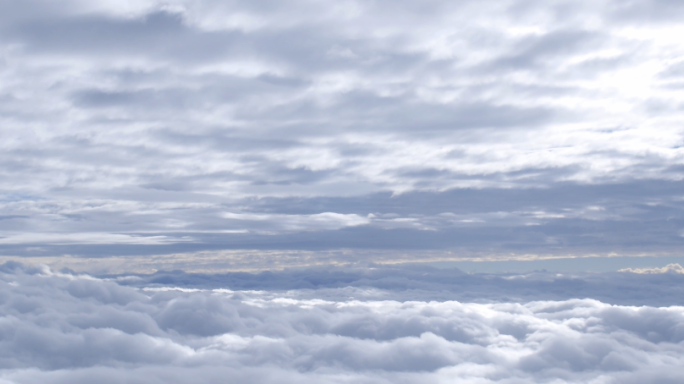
(670, 268)
(564, 220)
(211, 135)
(152, 118)
(87, 238)
(319, 221)
(404, 282)
(61, 327)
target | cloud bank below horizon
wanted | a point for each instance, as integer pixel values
(59, 328)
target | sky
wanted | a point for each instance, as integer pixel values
(335, 192)
(321, 133)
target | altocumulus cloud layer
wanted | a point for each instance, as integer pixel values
(67, 328)
(484, 128)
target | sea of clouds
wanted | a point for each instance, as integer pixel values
(381, 325)
(260, 135)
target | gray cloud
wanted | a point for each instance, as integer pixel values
(335, 148)
(636, 218)
(641, 287)
(163, 127)
(70, 328)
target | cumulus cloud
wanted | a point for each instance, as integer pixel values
(61, 327)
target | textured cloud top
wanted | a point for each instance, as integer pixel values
(507, 127)
(65, 328)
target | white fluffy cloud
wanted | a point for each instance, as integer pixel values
(59, 328)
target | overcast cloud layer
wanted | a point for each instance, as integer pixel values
(65, 328)
(338, 148)
(497, 128)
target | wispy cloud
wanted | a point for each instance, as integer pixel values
(178, 111)
(670, 268)
(86, 238)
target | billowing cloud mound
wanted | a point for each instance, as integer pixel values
(62, 328)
